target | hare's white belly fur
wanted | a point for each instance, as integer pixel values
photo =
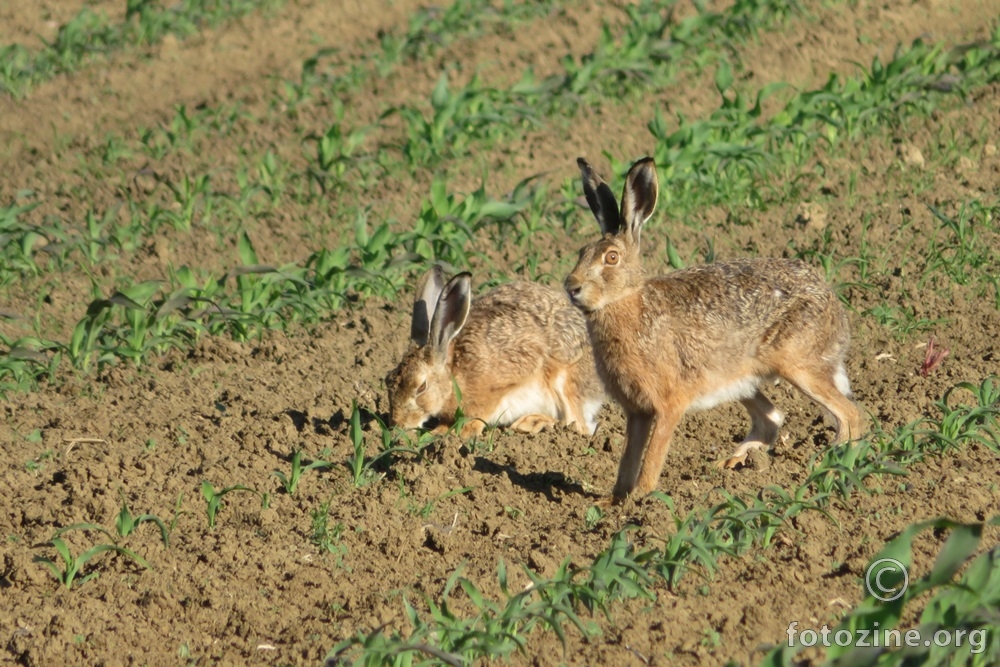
(538, 397)
(734, 391)
(532, 398)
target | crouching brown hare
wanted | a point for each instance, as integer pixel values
(701, 336)
(519, 356)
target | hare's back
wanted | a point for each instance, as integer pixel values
(521, 324)
(747, 295)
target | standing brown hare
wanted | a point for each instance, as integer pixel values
(518, 355)
(701, 336)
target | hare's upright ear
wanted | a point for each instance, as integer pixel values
(639, 197)
(428, 290)
(451, 312)
(600, 198)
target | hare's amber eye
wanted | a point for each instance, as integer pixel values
(422, 388)
(611, 257)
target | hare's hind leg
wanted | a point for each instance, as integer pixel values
(765, 420)
(575, 411)
(533, 423)
(827, 385)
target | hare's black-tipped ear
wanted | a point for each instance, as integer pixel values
(451, 312)
(601, 199)
(428, 290)
(639, 197)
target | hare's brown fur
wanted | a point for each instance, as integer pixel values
(520, 358)
(701, 336)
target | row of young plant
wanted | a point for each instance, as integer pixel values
(91, 34)
(727, 157)
(139, 322)
(101, 237)
(132, 324)
(730, 528)
(456, 120)
(646, 53)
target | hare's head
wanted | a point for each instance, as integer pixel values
(610, 268)
(420, 387)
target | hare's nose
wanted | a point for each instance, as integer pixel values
(573, 291)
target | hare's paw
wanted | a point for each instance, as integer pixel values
(472, 429)
(739, 457)
(732, 462)
(533, 423)
(607, 502)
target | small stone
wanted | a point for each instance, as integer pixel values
(169, 44)
(965, 165)
(540, 563)
(161, 251)
(758, 459)
(911, 156)
(989, 150)
(811, 215)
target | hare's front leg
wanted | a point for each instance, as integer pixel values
(656, 451)
(637, 427)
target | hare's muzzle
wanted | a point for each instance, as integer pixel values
(573, 289)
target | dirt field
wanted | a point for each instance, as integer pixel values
(260, 587)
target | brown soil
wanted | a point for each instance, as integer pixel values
(255, 589)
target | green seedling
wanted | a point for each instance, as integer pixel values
(290, 482)
(361, 469)
(457, 118)
(961, 249)
(98, 239)
(18, 240)
(356, 464)
(968, 423)
(433, 28)
(213, 498)
(178, 512)
(447, 223)
(126, 524)
(843, 468)
(73, 565)
(191, 197)
(271, 175)
(324, 536)
(335, 151)
(903, 322)
(36, 464)
(593, 517)
(428, 508)
(25, 362)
